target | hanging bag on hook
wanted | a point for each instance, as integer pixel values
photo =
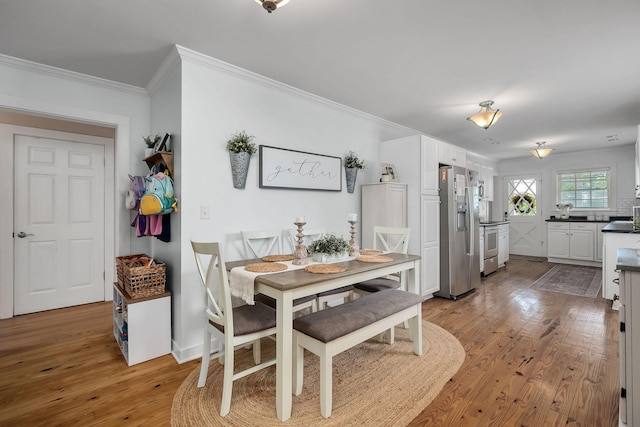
(158, 198)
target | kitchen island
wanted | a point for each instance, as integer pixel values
(616, 235)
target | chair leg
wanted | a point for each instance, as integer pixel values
(256, 352)
(206, 357)
(298, 371)
(227, 382)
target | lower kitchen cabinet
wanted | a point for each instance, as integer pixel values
(629, 340)
(141, 327)
(503, 244)
(571, 241)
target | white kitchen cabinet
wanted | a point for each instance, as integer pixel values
(449, 154)
(503, 244)
(629, 340)
(571, 241)
(637, 164)
(383, 204)
(486, 173)
(613, 242)
(416, 160)
(141, 327)
(599, 241)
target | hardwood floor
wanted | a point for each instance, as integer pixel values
(534, 358)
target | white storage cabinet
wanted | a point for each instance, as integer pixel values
(385, 205)
(571, 241)
(141, 327)
(416, 161)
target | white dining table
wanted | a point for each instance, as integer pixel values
(287, 286)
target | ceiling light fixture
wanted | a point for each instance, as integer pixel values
(486, 116)
(271, 5)
(541, 150)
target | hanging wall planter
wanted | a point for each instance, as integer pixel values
(351, 175)
(240, 151)
(351, 166)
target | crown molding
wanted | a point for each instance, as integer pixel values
(24, 64)
(180, 53)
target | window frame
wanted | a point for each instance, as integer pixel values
(610, 186)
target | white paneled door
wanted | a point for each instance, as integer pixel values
(525, 214)
(58, 223)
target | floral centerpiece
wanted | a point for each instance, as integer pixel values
(240, 150)
(329, 248)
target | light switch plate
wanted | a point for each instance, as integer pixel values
(205, 212)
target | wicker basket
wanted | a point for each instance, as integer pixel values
(140, 275)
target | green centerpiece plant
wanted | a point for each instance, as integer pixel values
(329, 248)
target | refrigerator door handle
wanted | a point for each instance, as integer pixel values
(470, 213)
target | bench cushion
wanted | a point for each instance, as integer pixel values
(334, 322)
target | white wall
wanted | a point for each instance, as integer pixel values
(620, 160)
(218, 99)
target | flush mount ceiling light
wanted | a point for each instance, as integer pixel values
(541, 150)
(271, 5)
(486, 116)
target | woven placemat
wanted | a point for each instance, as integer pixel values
(373, 258)
(325, 268)
(276, 258)
(265, 267)
(370, 252)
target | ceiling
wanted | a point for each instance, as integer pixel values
(566, 72)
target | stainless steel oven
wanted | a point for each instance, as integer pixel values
(490, 250)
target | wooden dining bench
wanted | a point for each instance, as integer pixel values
(329, 332)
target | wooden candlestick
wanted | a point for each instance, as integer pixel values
(354, 249)
(300, 256)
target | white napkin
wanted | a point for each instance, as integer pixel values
(241, 281)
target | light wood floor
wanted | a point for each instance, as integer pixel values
(534, 358)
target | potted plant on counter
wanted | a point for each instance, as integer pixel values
(240, 151)
(351, 165)
(329, 249)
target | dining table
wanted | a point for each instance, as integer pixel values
(289, 285)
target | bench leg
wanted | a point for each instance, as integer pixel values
(256, 352)
(298, 371)
(326, 383)
(415, 332)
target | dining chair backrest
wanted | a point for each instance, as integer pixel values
(310, 236)
(213, 272)
(391, 239)
(262, 242)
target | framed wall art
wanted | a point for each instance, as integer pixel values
(389, 170)
(284, 168)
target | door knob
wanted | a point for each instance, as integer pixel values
(22, 234)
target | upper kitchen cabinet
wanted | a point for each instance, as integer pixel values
(485, 179)
(415, 159)
(449, 154)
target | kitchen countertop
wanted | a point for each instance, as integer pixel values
(584, 219)
(619, 227)
(628, 259)
(483, 224)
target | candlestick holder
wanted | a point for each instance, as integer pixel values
(354, 249)
(300, 256)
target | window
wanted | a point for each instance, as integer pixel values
(587, 189)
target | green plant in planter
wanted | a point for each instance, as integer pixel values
(151, 141)
(351, 160)
(330, 245)
(240, 142)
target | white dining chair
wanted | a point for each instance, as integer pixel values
(259, 243)
(387, 239)
(310, 235)
(243, 325)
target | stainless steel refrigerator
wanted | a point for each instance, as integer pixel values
(459, 232)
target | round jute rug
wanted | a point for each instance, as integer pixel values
(374, 384)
